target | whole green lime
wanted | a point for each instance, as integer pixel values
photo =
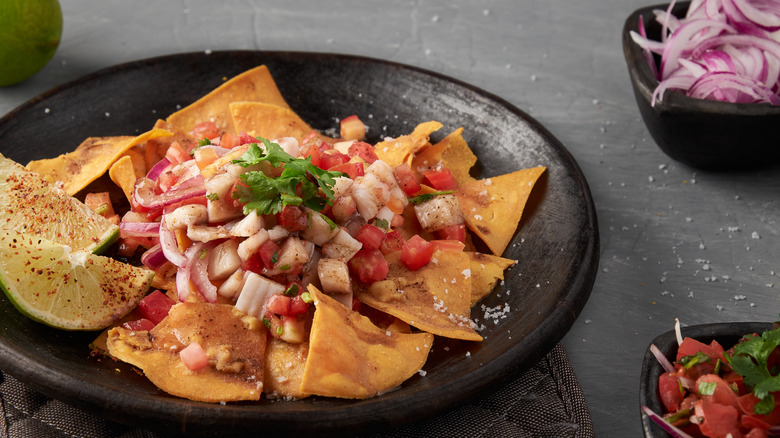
(30, 32)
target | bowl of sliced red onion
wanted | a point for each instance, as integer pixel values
(706, 76)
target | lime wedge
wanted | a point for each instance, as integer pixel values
(71, 290)
(29, 204)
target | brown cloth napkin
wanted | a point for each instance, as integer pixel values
(545, 401)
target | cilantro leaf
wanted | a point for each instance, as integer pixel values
(300, 182)
(419, 199)
(750, 360)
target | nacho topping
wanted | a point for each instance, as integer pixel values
(296, 264)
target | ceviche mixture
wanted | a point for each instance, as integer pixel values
(711, 392)
(288, 262)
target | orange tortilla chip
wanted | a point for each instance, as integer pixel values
(452, 152)
(123, 175)
(492, 207)
(350, 357)
(486, 270)
(268, 121)
(402, 149)
(90, 160)
(255, 85)
(235, 344)
(284, 365)
(435, 298)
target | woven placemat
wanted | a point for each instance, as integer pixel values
(545, 401)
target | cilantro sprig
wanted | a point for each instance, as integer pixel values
(300, 183)
(750, 359)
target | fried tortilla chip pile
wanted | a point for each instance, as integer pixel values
(346, 353)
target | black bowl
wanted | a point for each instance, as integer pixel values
(727, 334)
(705, 134)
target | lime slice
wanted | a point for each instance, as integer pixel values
(29, 204)
(71, 290)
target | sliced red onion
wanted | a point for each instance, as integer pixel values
(158, 169)
(764, 14)
(154, 257)
(665, 363)
(732, 37)
(194, 272)
(668, 427)
(139, 229)
(145, 196)
(169, 245)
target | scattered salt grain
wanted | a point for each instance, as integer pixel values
(47, 110)
(755, 235)
(207, 51)
(422, 373)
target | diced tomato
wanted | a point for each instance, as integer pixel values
(416, 252)
(254, 264)
(269, 253)
(440, 179)
(194, 357)
(723, 393)
(753, 421)
(229, 141)
(392, 242)
(314, 152)
(298, 306)
(369, 265)
(176, 153)
(407, 179)
(363, 151)
(670, 391)
(205, 129)
(370, 236)
(332, 158)
(138, 325)
(278, 304)
(718, 420)
(155, 306)
(448, 245)
(100, 203)
(292, 218)
(352, 128)
(245, 138)
(691, 347)
(453, 232)
(352, 169)
(166, 180)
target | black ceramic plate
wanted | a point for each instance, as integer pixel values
(727, 334)
(557, 244)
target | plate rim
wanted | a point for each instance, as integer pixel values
(566, 311)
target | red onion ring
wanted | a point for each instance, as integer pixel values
(139, 229)
(154, 257)
(169, 245)
(157, 170)
(145, 196)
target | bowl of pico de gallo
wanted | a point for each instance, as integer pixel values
(712, 380)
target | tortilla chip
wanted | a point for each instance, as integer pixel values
(492, 207)
(486, 270)
(234, 343)
(402, 149)
(255, 85)
(123, 175)
(284, 365)
(435, 298)
(90, 160)
(349, 357)
(452, 152)
(268, 121)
